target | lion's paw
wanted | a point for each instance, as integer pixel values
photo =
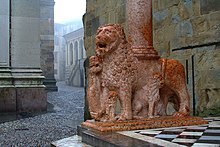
(180, 114)
(123, 116)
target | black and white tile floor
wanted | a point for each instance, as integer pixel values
(196, 136)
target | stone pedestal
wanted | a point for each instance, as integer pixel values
(147, 123)
(31, 99)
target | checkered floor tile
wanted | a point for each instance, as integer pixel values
(196, 136)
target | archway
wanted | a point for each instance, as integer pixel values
(71, 54)
(76, 51)
(81, 50)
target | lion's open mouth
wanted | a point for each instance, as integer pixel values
(101, 45)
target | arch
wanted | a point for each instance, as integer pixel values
(76, 50)
(80, 49)
(71, 53)
(83, 48)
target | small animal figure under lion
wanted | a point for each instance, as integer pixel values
(115, 73)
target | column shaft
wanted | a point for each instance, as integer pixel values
(140, 33)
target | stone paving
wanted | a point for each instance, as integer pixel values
(65, 113)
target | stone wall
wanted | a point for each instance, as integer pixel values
(100, 12)
(47, 43)
(187, 30)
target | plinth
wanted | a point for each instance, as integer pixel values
(148, 123)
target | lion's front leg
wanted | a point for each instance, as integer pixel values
(153, 102)
(183, 96)
(151, 109)
(125, 101)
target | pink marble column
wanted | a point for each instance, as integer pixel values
(140, 32)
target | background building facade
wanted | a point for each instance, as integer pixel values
(187, 30)
(75, 56)
(59, 52)
(69, 53)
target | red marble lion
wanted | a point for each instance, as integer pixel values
(143, 88)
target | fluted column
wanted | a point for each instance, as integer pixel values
(140, 33)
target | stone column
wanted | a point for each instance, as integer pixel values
(25, 56)
(140, 36)
(47, 43)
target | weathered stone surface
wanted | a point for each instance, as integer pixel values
(92, 25)
(120, 14)
(25, 39)
(186, 9)
(208, 82)
(208, 6)
(184, 29)
(47, 43)
(7, 99)
(31, 99)
(21, 8)
(98, 13)
(160, 17)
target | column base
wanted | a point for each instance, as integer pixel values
(14, 99)
(31, 99)
(145, 53)
(7, 99)
(50, 84)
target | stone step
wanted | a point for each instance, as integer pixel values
(109, 139)
(73, 141)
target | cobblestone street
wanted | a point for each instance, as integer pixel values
(65, 112)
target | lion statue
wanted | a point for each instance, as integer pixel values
(141, 93)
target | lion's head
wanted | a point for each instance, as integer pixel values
(108, 38)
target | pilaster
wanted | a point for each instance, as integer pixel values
(21, 80)
(7, 90)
